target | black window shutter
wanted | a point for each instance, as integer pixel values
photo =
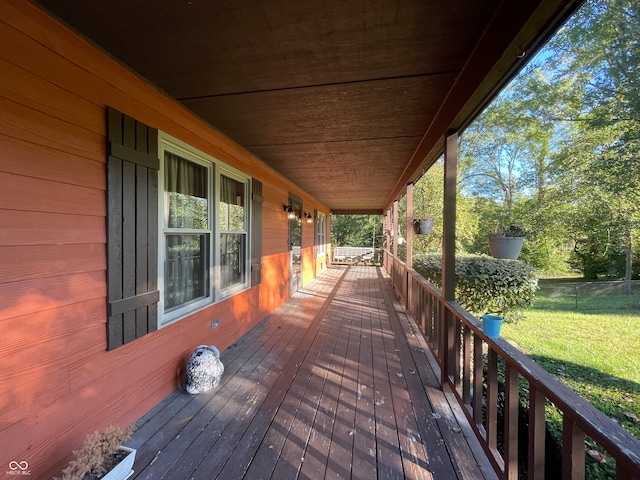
(256, 232)
(132, 229)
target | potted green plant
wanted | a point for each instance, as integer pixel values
(102, 456)
(507, 242)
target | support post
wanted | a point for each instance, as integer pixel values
(449, 217)
(395, 229)
(409, 229)
(448, 253)
(409, 226)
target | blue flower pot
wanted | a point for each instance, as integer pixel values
(491, 325)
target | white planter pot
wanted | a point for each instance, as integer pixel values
(124, 469)
(424, 226)
(505, 247)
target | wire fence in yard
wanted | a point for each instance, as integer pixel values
(588, 296)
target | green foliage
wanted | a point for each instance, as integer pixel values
(356, 230)
(485, 284)
(428, 195)
(557, 152)
(604, 372)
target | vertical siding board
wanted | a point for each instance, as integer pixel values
(114, 249)
(129, 244)
(128, 132)
(152, 233)
(142, 245)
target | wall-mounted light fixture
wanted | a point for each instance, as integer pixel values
(290, 213)
(308, 217)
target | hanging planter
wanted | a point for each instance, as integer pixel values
(423, 226)
(507, 243)
(505, 247)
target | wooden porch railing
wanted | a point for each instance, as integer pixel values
(507, 379)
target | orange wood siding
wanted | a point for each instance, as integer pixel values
(58, 381)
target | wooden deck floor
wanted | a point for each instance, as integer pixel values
(334, 384)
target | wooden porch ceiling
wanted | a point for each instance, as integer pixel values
(348, 99)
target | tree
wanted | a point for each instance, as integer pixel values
(602, 158)
(558, 152)
(356, 230)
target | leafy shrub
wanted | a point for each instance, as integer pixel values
(485, 284)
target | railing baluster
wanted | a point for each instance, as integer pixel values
(572, 450)
(456, 350)
(448, 330)
(511, 415)
(466, 365)
(537, 432)
(492, 400)
(477, 381)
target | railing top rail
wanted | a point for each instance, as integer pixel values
(592, 421)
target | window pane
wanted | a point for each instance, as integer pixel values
(232, 201)
(232, 263)
(185, 269)
(186, 190)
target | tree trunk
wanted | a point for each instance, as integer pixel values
(628, 269)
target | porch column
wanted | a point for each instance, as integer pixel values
(385, 241)
(410, 225)
(449, 217)
(394, 230)
(447, 338)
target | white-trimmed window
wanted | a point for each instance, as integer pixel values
(321, 234)
(204, 242)
(233, 239)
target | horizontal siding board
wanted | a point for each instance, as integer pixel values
(52, 330)
(48, 196)
(19, 402)
(69, 75)
(90, 74)
(25, 158)
(30, 262)
(47, 352)
(40, 94)
(31, 125)
(62, 140)
(37, 228)
(39, 295)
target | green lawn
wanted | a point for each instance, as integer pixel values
(595, 351)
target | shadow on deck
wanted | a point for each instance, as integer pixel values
(334, 384)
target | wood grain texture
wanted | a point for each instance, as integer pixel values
(26, 158)
(48, 196)
(333, 384)
(54, 88)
